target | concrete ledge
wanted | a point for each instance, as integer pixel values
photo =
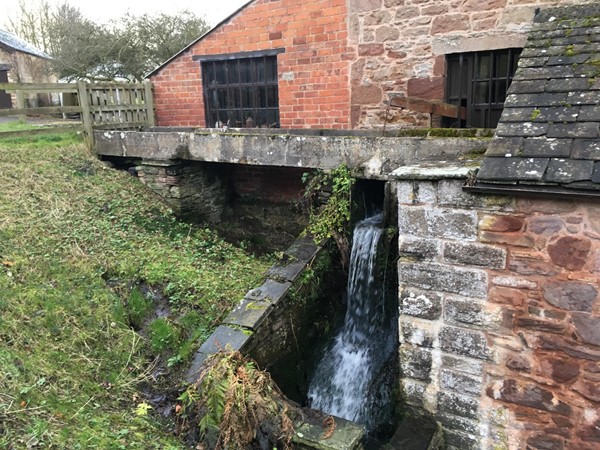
(440, 171)
(346, 435)
(373, 156)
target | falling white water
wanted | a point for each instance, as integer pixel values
(344, 376)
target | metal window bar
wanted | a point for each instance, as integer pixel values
(256, 94)
(469, 67)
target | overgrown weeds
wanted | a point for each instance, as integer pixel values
(329, 198)
(238, 406)
(76, 241)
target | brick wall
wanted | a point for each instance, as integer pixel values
(272, 184)
(500, 316)
(313, 72)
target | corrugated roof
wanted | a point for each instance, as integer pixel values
(549, 133)
(16, 43)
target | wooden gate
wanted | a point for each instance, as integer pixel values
(110, 106)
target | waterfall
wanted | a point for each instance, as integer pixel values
(344, 377)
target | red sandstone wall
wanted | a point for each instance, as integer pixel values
(549, 373)
(313, 72)
(401, 46)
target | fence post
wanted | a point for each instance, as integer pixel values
(20, 95)
(86, 113)
(149, 103)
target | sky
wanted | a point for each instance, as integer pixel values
(104, 10)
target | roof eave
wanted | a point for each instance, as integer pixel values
(553, 192)
(186, 48)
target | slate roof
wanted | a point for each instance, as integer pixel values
(548, 137)
(13, 42)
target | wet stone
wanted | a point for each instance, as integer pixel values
(418, 249)
(303, 249)
(546, 442)
(223, 338)
(459, 405)
(465, 342)
(418, 303)
(438, 277)
(416, 363)
(416, 335)
(570, 252)
(270, 291)
(570, 295)
(249, 314)
(475, 255)
(466, 365)
(528, 394)
(460, 382)
(587, 327)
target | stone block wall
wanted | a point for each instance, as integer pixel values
(401, 46)
(500, 316)
(194, 191)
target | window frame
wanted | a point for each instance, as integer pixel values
(241, 89)
(464, 90)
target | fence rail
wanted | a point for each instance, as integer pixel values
(100, 106)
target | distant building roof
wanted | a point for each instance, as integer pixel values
(548, 137)
(13, 42)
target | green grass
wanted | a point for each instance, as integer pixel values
(76, 239)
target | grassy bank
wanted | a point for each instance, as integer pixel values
(76, 241)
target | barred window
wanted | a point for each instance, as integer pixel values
(241, 92)
(478, 81)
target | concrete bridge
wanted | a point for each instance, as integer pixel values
(371, 154)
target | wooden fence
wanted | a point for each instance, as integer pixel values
(113, 106)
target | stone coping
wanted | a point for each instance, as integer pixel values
(236, 331)
(403, 132)
(370, 157)
(439, 171)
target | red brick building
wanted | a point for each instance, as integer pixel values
(336, 63)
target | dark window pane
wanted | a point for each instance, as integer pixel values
(260, 75)
(271, 70)
(273, 96)
(220, 73)
(262, 97)
(273, 118)
(501, 65)
(244, 71)
(502, 88)
(483, 66)
(242, 92)
(233, 74)
(482, 91)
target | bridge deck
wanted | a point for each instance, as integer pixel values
(369, 153)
